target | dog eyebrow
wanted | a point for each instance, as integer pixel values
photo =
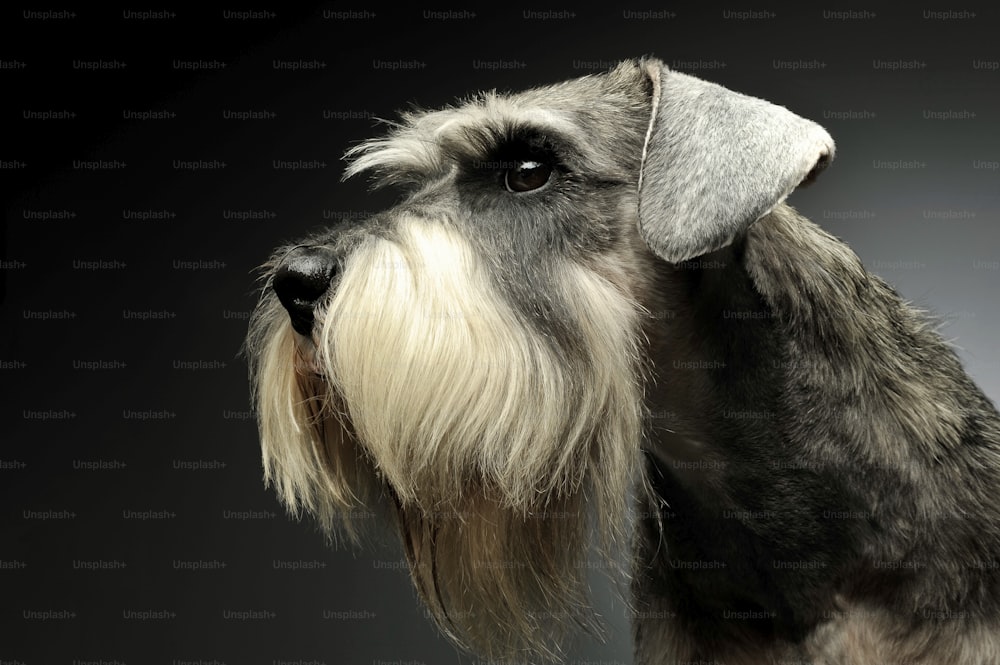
(412, 152)
(479, 142)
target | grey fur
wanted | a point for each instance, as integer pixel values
(820, 476)
(717, 161)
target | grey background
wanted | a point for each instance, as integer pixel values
(134, 527)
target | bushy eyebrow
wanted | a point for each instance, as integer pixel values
(505, 140)
(428, 145)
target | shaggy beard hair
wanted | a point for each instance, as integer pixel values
(499, 451)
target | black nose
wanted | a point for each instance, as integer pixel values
(301, 279)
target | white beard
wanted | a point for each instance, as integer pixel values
(496, 448)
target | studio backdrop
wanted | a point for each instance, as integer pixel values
(152, 157)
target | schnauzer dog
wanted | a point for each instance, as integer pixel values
(593, 314)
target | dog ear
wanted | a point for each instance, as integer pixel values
(715, 161)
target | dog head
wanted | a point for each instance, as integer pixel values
(472, 358)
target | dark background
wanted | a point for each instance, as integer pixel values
(134, 527)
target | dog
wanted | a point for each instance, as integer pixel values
(593, 314)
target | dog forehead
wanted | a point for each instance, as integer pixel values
(565, 106)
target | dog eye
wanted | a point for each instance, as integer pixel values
(526, 176)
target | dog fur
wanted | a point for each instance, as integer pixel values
(813, 474)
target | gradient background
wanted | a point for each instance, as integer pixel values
(134, 526)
